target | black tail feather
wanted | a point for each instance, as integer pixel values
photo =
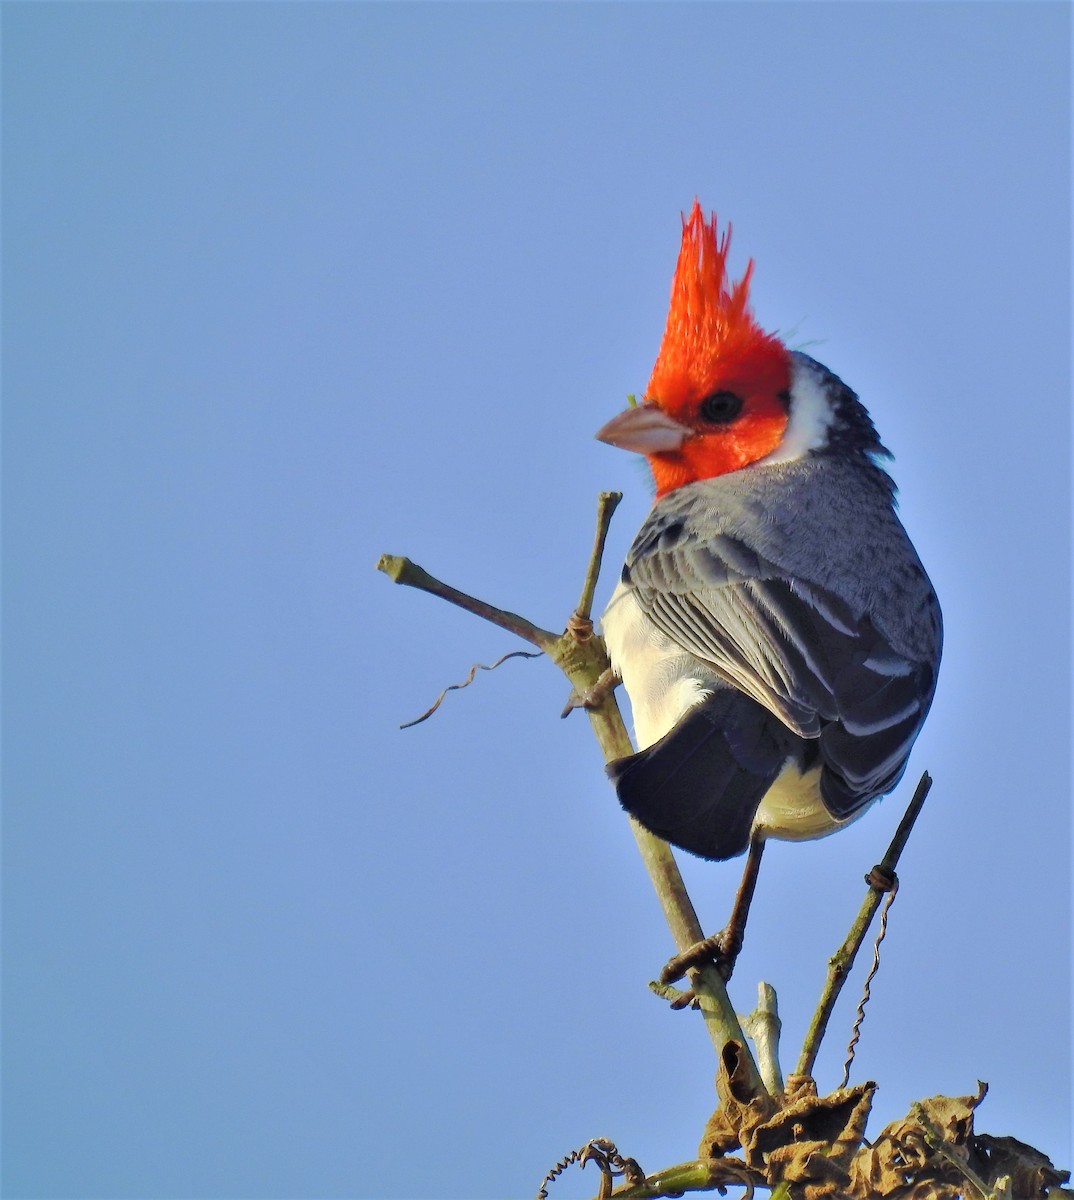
(699, 786)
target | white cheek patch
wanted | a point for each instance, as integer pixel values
(810, 418)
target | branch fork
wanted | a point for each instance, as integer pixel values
(752, 1099)
(581, 654)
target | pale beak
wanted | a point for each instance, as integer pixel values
(645, 429)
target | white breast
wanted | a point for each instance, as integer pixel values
(661, 679)
(663, 682)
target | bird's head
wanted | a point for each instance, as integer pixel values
(719, 395)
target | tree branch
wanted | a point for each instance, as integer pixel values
(763, 1025)
(583, 658)
(607, 503)
(400, 569)
(843, 959)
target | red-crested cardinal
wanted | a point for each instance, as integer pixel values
(774, 628)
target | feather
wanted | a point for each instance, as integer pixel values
(700, 785)
(795, 622)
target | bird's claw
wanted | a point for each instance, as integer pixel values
(720, 950)
(593, 696)
(676, 997)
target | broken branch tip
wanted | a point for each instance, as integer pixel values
(393, 565)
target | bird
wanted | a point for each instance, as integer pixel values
(773, 626)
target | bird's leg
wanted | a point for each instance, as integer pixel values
(735, 930)
(723, 947)
(592, 697)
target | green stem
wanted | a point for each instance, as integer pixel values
(704, 1175)
(843, 959)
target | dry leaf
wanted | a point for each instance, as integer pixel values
(1031, 1173)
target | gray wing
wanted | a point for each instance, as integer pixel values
(795, 647)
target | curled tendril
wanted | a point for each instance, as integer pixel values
(866, 990)
(605, 1154)
(454, 687)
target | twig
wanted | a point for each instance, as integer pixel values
(607, 503)
(607, 722)
(763, 1026)
(400, 569)
(455, 687)
(583, 659)
(676, 997)
(880, 880)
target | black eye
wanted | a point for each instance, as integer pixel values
(721, 407)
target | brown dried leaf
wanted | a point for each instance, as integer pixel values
(738, 1114)
(808, 1140)
(815, 1143)
(927, 1155)
(812, 1140)
(798, 1086)
(928, 1189)
(1031, 1173)
(808, 1166)
(953, 1115)
(728, 1171)
(720, 1136)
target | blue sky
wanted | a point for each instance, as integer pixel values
(288, 286)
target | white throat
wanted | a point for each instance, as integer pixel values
(810, 416)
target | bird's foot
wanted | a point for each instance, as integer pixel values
(720, 950)
(676, 997)
(594, 696)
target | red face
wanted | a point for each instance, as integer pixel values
(691, 431)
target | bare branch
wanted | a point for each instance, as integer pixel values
(400, 569)
(763, 1026)
(607, 503)
(583, 658)
(880, 880)
(678, 998)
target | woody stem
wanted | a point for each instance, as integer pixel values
(583, 658)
